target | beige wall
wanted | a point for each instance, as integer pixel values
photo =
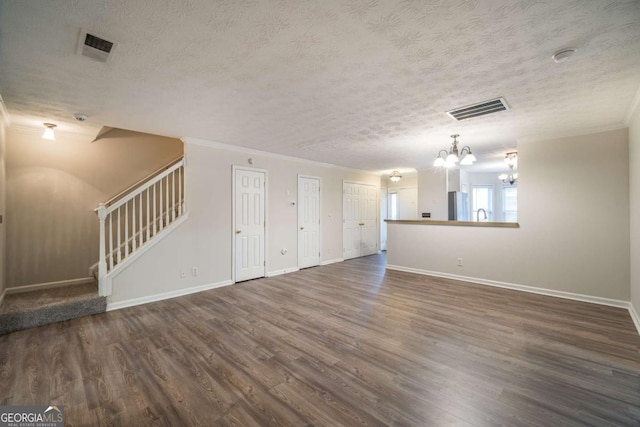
(574, 224)
(634, 196)
(204, 240)
(53, 188)
(405, 182)
(432, 192)
(3, 187)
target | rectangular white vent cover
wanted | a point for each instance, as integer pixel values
(479, 109)
(95, 47)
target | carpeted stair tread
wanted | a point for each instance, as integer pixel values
(42, 307)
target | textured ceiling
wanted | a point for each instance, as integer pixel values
(358, 83)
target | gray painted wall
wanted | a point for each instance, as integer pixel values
(3, 187)
(634, 207)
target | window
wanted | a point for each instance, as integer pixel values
(393, 205)
(482, 198)
(510, 204)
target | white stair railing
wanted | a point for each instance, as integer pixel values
(129, 221)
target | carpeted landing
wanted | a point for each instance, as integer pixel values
(41, 307)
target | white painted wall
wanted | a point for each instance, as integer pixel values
(634, 202)
(3, 192)
(574, 224)
(204, 240)
(432, 192)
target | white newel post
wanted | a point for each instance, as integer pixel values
(102, 262)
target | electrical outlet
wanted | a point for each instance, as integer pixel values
(195, 271)
(459, 262)
(183, 274)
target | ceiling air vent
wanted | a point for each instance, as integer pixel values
(95, 47)
(479, 109)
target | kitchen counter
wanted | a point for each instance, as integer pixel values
(453, 223)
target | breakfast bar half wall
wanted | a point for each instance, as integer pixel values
(506, 255)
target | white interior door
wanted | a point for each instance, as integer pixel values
(351, 220)
(369, 220)
(360, 220)
(308, 221)
(250, 223)
(383, 216)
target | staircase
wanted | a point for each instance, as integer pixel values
(41, 307)
(130, 223)
(136, 219)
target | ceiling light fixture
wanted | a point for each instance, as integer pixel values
(563, 54)
(48, 132)
(395, 176)
(511, 159)
(450, 158)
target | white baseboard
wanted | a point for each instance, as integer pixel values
(283, 271)
(530, 289)
(48, 285)
(332, 261)
(634, 317)
(159, 297)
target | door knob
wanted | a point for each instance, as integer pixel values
(238, 231)
(301, 228)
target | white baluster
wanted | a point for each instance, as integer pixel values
(141, 237)
(161, 206)
(111, 242)
(148, 224)
(180, 192)
(126, 229)
(119, 236)
(167, 201)
(155, 224)
(133, 224)
(173, 196)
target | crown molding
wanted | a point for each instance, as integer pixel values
(633, 108)
(220, 146)
(4, 113)
(569, 134)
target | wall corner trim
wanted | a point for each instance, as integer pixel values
(2, 296)
(633, 108)
(166, 295)
(635, 317)
(516, 287)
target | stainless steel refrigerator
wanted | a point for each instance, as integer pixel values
(458, 206)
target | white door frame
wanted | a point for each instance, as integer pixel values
(235, 168)
(319, 215)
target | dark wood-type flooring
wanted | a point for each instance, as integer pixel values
(346, 344)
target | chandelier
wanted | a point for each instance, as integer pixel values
(450, 158)
(511, 159)
(395, 176)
